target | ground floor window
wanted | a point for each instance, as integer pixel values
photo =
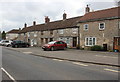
(68, 40)
(90, 41)
(61, 39)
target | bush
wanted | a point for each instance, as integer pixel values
(96, 48)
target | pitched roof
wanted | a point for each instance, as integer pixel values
(61, 24)
(101, 14)
(13, 31)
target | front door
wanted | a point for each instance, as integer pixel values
(51, 39)
(116, 43)
(74, 41)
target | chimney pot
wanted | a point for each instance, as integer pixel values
(34, 23)
(47, 19)
(87, 9)
(64, 16)
(25, 25)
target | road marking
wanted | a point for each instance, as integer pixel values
(111, 70)
(27, 52)
(79, 64)
(105, 56)
(57, 60)
(8, 74)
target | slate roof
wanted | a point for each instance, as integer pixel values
(101, 14)
(15, 31)
(61, 24)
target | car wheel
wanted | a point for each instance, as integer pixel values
(16, 46)
(52, 48)
(44, 49)
(8, 45)
(65, 48)
(27, 46)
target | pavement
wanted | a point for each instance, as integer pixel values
(92, 57)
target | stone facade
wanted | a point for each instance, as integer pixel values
(12, 35)
(94, 28)
(105, 36)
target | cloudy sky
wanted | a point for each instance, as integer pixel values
(14, 13)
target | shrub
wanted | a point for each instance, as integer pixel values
(96, 48)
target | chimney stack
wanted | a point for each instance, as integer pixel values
(47, 19)
(34, 23)
(64, 16)
(87, 9)
(25, 25)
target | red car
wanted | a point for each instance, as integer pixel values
(54, 45)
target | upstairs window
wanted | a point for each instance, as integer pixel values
(86, 26)
(61, 31)
(42, 33)
(101, 26)
(51, 32)
(28, 34)
(74, 30)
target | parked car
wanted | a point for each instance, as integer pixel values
(55, 45)
(2, 42)
(18, 43)
(6, 43)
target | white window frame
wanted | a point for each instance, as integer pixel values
(28, 34)
(74, 30)
(101, 28)
(85, 26)
(61, 31)
(61, 39)
(89, 41)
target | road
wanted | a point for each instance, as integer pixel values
(22, 66)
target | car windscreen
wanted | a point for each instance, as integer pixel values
(51, 42)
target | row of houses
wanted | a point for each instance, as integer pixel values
(94, 28)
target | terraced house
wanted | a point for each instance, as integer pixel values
(94, 28)
(12, 34)
(100, 28)
(65, 30)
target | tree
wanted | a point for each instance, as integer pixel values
(3, 35)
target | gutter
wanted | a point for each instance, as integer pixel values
(99, 19)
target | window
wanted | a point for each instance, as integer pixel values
(28, 34)
(61, 39)
(85, 26)
(42, 33)
(59, 42)
(74, 30)
(90, 41)
(67, 40)
(101, 26)
(35, 34)
(61, 31)
(51, 32)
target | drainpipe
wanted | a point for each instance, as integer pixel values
(78, 47)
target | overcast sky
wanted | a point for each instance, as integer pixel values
(14, 13)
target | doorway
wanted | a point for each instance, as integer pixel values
(74, 41)
(116, 44)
